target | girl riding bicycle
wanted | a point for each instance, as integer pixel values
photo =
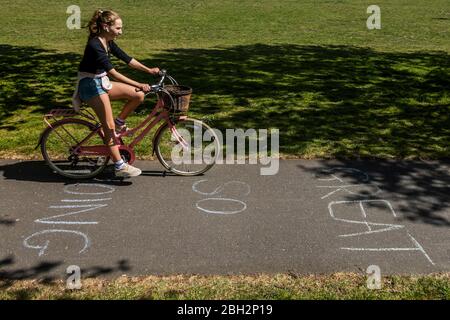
(95, 89)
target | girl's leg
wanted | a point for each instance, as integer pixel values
(102, 107)
(122, 91)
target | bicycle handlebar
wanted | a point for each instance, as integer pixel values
(162, 73)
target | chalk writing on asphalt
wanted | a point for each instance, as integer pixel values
(360, 212)
(222, 199)
(83, 204)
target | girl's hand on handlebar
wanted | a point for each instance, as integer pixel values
(154, 71)
(145, 87)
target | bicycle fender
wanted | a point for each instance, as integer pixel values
(40, 138)
(155, 135)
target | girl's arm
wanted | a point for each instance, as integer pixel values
(139, 66)
(120, 77)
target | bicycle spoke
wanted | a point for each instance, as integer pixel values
(182, 149)
(60, 155)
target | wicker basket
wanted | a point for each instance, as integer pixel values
(181, 96)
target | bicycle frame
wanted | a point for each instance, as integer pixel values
(158, 114)
(67, 155)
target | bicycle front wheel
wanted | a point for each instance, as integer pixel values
(190, 148)
(58, 145)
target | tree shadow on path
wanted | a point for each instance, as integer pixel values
(421, 190)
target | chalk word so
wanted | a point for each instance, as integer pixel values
(219, 197)
(75, 207)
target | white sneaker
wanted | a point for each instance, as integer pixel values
(128, 171)
(123, 130)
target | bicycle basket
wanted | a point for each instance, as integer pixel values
(181, 96)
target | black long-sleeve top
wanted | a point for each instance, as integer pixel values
(97, 60)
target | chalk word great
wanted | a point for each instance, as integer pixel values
(364, 189)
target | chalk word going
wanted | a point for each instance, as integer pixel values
(86, 205)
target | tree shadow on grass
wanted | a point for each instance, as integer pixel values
(48, 272)
(327, 101)
(349, 101)
(34, 77)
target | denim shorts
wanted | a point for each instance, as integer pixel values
(89, 88)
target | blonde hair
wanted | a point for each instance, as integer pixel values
(101, 17)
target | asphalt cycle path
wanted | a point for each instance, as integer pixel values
(312, 217)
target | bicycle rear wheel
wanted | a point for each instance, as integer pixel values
(190, 150)
(59, 142)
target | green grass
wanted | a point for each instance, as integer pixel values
(272, 287)
(310, 68)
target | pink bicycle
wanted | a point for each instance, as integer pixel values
(74, 145)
